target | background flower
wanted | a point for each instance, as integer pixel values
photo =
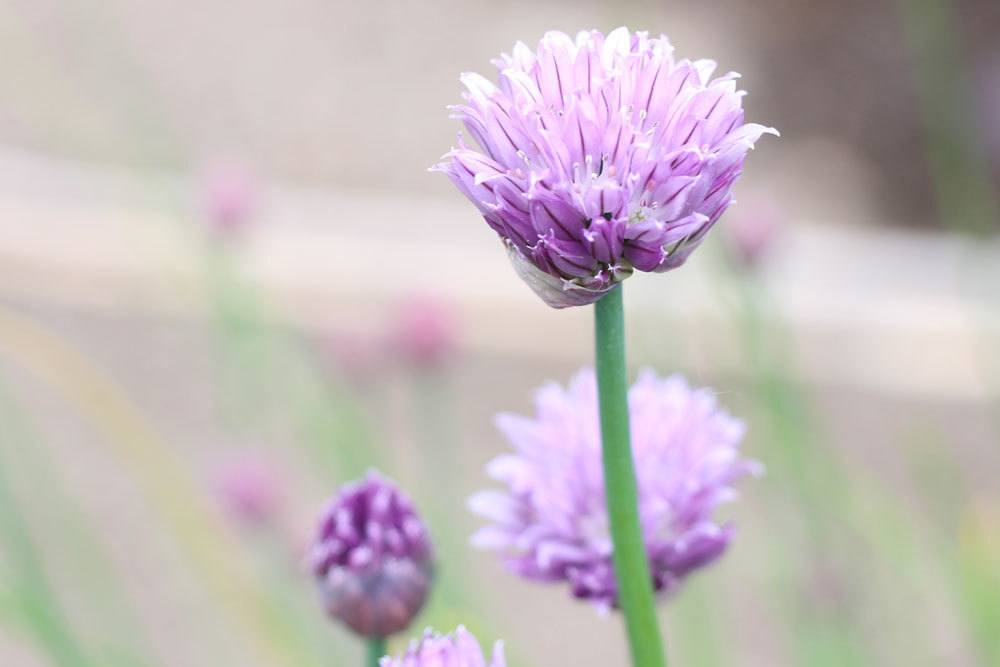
(750, 234)
(457, 650)
(372, 558)
(598, 156)
(229, 198)
(551, 524)
(249, 488)
(424, 331)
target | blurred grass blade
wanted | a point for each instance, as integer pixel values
(163, 476)
(93, 572)
(266, 369)
(36, 604)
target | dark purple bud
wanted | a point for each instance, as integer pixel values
(372, 558)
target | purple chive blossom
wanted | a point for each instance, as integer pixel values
(750, 234)
(229, 199)
(372, 558)
(550, 523)
(249, 490)
(457, 650)
(424, 331)
(599, 156)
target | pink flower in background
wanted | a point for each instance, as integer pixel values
(229, 198)
(425, 331)
(550, 523)
(750, 233)
(372, 558)
(248, 489)
(598, 156)
(460, 649)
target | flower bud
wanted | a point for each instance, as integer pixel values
(372, 558)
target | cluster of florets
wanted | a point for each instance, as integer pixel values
(598, 156)
(372, 558)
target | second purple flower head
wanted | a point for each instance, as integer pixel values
(550, 522)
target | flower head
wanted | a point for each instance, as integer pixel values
(598, 156)
(550, 523)
(457, 650)
(249, 490)
(424, 331)
(372, 558)
(229, 198)
(751, 234)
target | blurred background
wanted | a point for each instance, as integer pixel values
(230, 285)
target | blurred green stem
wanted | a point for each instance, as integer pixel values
(955, 153)
(635, 590)
(125, 430)
(376, 650)
(100, 585)
(37, 601)
(264, 369)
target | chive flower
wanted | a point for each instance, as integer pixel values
(424, 331)
(229, 199)
(550, 523)
(372, 558)
(750, 236)
(599, 156)
(460, 649)
(249, 490)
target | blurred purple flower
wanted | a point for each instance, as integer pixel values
(551, 524)
(372, 558)
(599, 156)
(424, 331)
(248, 489)
(229, 198)
(460, 649)
(750, 233)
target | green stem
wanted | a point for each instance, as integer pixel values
(376, 651)
(635, 589)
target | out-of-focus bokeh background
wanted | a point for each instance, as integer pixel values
(230, 284)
